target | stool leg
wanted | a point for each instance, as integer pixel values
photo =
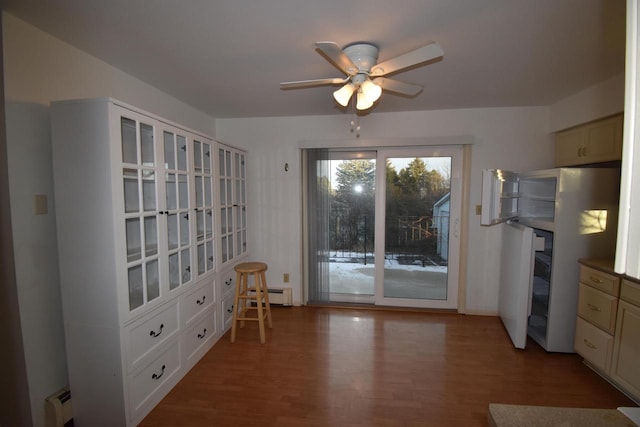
(259, 307)
(236, 307)
(265, 290)
(244, 291)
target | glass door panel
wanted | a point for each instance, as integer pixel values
(420, 228)
(204, 206)
(178, 215)
(139, 171)
(129, 140)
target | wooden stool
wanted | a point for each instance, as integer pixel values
(245, 294)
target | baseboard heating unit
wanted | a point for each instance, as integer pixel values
(280, 296)
(58, 408)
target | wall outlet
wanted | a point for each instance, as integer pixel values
(285, 278)
(478, 209)
(40, 204)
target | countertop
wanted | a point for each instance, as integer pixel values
(544, 416)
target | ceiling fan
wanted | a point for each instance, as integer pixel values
(364, 75)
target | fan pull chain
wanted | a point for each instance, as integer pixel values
(355, 121)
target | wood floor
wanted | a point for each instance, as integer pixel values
(353, 367)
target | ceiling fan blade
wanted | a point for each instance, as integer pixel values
(398, 86)
(334, 54)
(423, 54)
(309, 83)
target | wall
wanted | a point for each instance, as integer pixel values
(14, 393)
(511, 138)
(39, 69)
(601, 100)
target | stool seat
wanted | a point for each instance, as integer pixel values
(250, 267)
(246, 295)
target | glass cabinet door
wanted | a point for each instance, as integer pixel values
(203, 176)
(240, 205)
(178, 216)
(226, 205)
(139, 180)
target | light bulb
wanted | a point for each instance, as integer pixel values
(363, 103)
(371, 91)
(343, 95)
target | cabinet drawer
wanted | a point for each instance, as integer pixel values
(630, 292)
(228, 283)
(196, 302)
(146, 385)
(198, 336)
(594, 345)
(150, 332)
(605, 282)
(597, 307)
(227, 311)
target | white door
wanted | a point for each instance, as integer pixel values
(516, 279)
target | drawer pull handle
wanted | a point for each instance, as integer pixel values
(595, 279)
(589, 344)
(230, 309)
(593, 307)
(201, 301)
(200, 336)
(158, 376)
(157, 334)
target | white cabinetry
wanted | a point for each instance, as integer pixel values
(233, 205)
(135, 211)
(232, 169)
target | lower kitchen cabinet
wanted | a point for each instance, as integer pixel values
(608, 325)
(625, 366)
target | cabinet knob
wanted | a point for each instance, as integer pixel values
(593, 307)
(157, 334)
(158, 376)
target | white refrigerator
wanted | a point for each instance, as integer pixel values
(551, 219)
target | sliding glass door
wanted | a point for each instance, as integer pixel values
(381, 227)
(419, 198)
(341, 216)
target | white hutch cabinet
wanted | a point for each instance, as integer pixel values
(136, 211)
(232, 171)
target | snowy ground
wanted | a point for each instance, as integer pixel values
(401, 281)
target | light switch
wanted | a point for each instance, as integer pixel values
(40, 204)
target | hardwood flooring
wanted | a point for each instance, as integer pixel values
(355, 367)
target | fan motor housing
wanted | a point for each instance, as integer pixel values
(363, 55)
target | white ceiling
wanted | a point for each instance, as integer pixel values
(227, 58)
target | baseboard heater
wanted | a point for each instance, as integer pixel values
(58, 408)
(280, 296)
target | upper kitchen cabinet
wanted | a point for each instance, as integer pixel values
(134, 197)
(233, 204)
(595, 142)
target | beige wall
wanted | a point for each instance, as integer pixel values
(511, 138)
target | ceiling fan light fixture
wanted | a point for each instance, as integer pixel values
(343, 95)
(371, 91)
(362, 102)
